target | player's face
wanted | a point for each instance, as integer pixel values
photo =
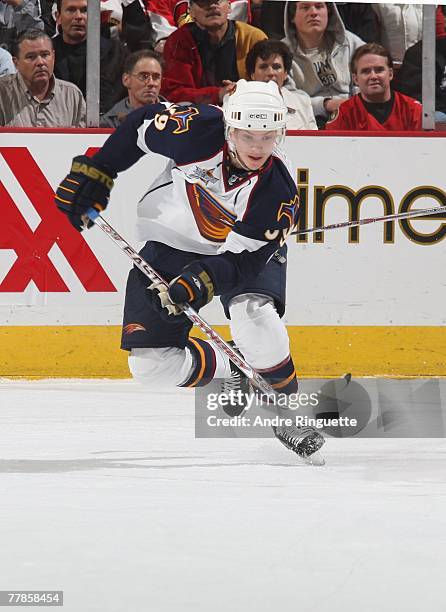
(73, 20)
(373, 77)
(143, 82)
(210, 14)
(311, 17)
(271, 69)
(253, 147)
(35, 62)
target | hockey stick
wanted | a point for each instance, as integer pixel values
(305, 442)
(256, 379)
(406, 215)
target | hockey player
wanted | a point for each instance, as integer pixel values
(214, 219)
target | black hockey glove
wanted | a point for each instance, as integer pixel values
(87, 185)
(193, 286)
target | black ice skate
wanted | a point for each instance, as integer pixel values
(238, 387)
(304, 441)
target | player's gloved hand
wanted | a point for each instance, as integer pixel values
(87, 185)
(193, 286)
(161, 302)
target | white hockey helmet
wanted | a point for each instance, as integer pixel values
(255, 105)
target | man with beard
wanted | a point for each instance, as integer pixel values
(33, 97)
(70, 46)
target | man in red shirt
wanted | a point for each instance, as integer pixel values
(376, 107)
(206, 57)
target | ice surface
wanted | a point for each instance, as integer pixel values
(107, 495)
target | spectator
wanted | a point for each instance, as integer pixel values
(180, 12)
(401, 27)
(70, 46)
(147, 22)
(137, 32)
(360, 18)
(142, 78)
(33, 97)
(150, 22)
(48, 16)
(111, 18)
(272, 17)
(206, 57)
(409, 77)
(6, 63)
(322, 49)
(271, 60)
(440, 23)
(241, 10)
(17, 16)
(376, 107)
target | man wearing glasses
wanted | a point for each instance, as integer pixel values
(206, 57)
(142, 79)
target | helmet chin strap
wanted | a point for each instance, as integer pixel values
(233, 149)
(234, 155)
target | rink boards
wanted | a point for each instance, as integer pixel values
(369, 302)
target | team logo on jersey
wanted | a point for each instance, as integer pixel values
(203, 175)
(213, 220)
(182, 116)
(289, 211)
(133, 327)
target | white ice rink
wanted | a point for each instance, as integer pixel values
(107, 495)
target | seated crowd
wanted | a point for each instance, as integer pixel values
(339, 66)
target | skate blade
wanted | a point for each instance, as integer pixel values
(314, 459)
